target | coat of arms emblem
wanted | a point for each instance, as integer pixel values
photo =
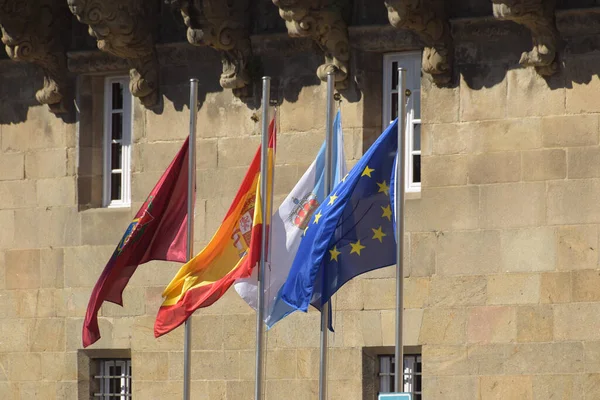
(243, 231)
(304, 209)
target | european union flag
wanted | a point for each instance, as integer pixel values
(350, 233)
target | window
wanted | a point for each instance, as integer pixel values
(412, 375)
(117, 143)
(114, 380)
(412, 62)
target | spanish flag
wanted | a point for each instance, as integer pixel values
(231, 254)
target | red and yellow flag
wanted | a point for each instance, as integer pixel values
(231, 254)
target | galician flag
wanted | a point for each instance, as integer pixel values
(287, 227)
(158, 232)
(233, 252)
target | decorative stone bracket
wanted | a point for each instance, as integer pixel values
(322, 21)
(538, 16)
(224, 26)
(32, 31)
(427, 18)
(124, 28)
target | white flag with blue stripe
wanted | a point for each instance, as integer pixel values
(287, 227)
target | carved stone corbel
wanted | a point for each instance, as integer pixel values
(123, 28)
(32, 31)
(427, 18)
(322, 21)
(538, 16)
(224, 26)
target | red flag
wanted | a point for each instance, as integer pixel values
(158, 232)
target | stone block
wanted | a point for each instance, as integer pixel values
(306, 113)
(235, 331)
(468, 253)
(443, 209)
(56, 192)
(302, 389)
(488, 102)
(51, 268)
(7, 233)
(46, 164)
(17, 194)
(573, 201)
(12, 166)
(158, 390)
(457, 291)
(35, 303)
(239, 151)
(445, 361)
(308, 363)
(545, 358)
(450, 387)
(494, 167)
(22, 270)
(586, 285)
(142, 337)
(570, 130)
(512, 205)
(225, 115)
(581, 97)
(151, 365)
(491, 325)
(84, 264)
(210, 336)
(157, 156)
(411, 329)
(104, 226)
(447, 139)
(528, 250)
(506, 387)
(351, 358)
(506, 135)
(422, 254)
(231, 367)
(25, 366)
(59, 366)
(584, 162)
(513, 289)
(535, 324)
(379, 294)
(134, 302)
(47, 334)
(577, 247)
(247, 363)
(14, 335)
(42, 130)
(577, 321)
(416, 292)
(555, 287)
(9, 390)
(525, 84)
(350, 296)
(243, 390)
(281, 364)
(591, 351)
(439, 104)
(444, 170)
(559, 387)
(299, 148)
(591, 386)
(487, 359)
(443, 326)
(539, 165)
(208, 365)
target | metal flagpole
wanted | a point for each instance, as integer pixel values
(328, 187)
(399, 210)
(266, 90)
(187, 343)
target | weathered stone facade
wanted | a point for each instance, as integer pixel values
(502, 285)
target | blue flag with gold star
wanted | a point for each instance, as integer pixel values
(350, 233)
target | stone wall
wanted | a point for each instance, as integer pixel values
(502, 284)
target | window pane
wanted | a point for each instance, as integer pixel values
(116, 150)
(117, 96)
(115, 186)
(416, 137)
(394, 75)
(416, 168)
(394, 110)
(117, 126)
(416, 103)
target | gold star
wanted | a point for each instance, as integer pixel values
(378, 234)
(344, 178)
(305, 229)
(332, 198)
(334, 253)
(318, 217)
(383, 187)
(356, 247)
(387, 212)
(367, 171)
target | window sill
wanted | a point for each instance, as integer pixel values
(412, 195)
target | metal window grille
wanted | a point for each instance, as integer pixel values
(114, 381)
(117, 142)
(412, 375)
(412, 62)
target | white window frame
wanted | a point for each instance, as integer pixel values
(125, 171)
(386, 374)
(105, 379)
(412, 62)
